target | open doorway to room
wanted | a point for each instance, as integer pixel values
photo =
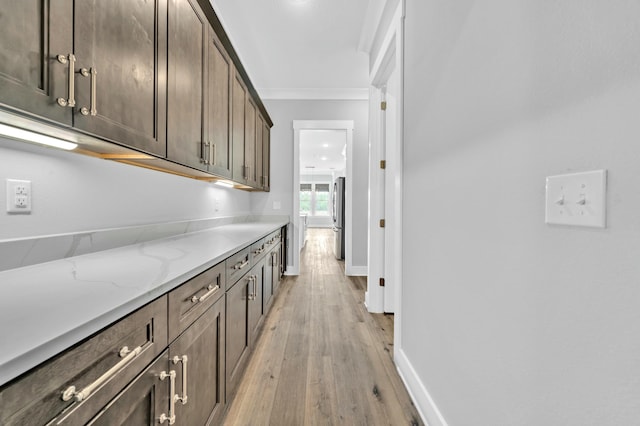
(322, 185)
(323, 168)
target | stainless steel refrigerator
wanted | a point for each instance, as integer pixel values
(337, 203)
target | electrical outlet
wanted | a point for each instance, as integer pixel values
(18, 196)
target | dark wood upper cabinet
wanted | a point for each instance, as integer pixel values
(250, 143)
(153, 76)
(33, 33)
(266, 156)
(238, 108)
(120, 47)
(220, 79)
(188, 29)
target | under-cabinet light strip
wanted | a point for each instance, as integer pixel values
(26, 135)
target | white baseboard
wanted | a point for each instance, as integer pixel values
(356, 271)
(428, 410)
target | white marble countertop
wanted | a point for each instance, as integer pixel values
(48, 307)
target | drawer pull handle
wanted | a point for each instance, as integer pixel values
(70, 392)
(172, 402)
(241, 265)
(205, 158)
(210, 290)
(71, 60)
(183, 359)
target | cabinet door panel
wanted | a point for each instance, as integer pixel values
(219, 108)
(33, 34)
(237, 333)
(259, 176)
(266, 157)
(187, 41)
(203, 344)
(124, 41)
(239, 96)
(250, 142)
(255, 304)
(142, 402)
(267, 292)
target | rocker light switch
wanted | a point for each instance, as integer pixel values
(577, 199)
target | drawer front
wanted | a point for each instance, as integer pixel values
(258, 251)
(73, 386)
(193, 298)
(237, 265)
(271, 240)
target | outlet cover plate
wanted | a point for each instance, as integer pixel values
(18, 196)
(577, 199)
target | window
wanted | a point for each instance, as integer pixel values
(305, 198)
(314, 199)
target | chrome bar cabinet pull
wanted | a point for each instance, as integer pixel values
(182, 359)
(93, 111)
(172, 402)
(71, 61)
(129, 355)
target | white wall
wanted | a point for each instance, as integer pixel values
(73, 192)
(506, 320)
(283, 112)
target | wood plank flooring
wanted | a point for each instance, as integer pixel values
(322, 359)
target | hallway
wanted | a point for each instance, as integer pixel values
(322, 358)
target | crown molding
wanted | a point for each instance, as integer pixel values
(315, 94)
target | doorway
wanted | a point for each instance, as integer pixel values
(308, 130)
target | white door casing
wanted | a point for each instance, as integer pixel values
(299, 125)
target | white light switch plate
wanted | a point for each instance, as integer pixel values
(577, 199)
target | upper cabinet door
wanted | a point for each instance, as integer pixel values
(238, 100)
(188, 29)
(33, 34)
(219, 108)
(120, 47)
(250, 143)
(266, 159)
(258, 151)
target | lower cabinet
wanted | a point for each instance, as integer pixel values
(197, 357)
(143, 402)
(72, 387)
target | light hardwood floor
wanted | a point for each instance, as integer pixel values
(322, 359)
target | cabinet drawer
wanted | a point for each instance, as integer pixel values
(193, 298)
(73, 386)
(258, 251)
(237, 265)
(271, 240)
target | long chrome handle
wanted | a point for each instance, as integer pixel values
(255, 287)
(93, 111)
(71, 61)
(172, 401)
(214, 156)
(241, 265)
(128, 355)
(183, 359)
(205, 157)
(210, 290)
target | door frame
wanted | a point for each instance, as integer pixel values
(347, 126)
(389, 59)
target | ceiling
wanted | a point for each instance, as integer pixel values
(321, 151)
(289, 46)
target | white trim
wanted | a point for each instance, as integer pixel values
(298, 125)
(425, 405)
(358, 271)
(355, 93)
(372, 17)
